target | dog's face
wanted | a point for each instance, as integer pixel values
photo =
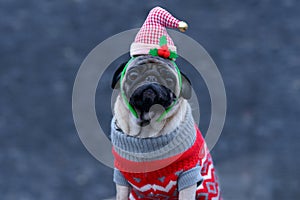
(149, 81)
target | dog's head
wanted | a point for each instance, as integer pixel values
(147, 81)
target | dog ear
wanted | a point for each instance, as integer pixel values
(186, 88)
(115, 83)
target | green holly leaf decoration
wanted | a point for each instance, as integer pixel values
(153, 52)
(173, 55)
(164, 46)
(163, 40)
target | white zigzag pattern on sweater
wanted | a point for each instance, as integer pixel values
(208, 176)
(155, 187)
(209, 173)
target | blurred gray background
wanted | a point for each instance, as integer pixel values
(255, 44)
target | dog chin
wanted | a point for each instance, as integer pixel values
(152, 128)
(146, 118)
(143, 123)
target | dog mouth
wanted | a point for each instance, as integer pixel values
(145, 98)
(143, 123)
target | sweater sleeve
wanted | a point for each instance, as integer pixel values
(119, 178)
(189, 178)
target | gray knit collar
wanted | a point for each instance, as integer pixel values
(149, 149)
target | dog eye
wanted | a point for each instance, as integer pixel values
(169, 81)
(133, 75)
(164, 72)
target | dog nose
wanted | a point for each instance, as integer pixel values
(149, 95)
(151, 78)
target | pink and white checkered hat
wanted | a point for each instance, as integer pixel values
(153, 29)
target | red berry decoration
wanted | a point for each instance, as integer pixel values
(163, 51)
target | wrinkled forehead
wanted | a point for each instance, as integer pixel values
(155, 60)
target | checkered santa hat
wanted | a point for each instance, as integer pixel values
(153, 38)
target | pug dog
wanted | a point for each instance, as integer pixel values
(150, 82)
(152, 104)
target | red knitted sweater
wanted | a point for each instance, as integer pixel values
(194, 166)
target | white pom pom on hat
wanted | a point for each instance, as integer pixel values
(152, 31)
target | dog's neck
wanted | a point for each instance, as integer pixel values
(137, 149)
(154, 129)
